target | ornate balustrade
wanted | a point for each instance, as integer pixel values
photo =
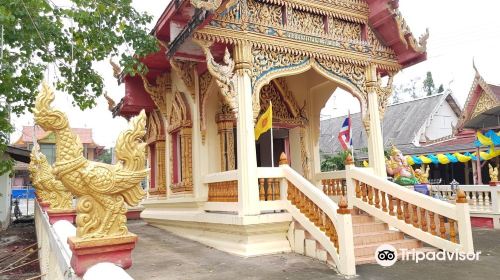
(330, 223)
(222, 187)
(440, 224)
(481, 198)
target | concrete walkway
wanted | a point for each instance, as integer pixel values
(162, 255)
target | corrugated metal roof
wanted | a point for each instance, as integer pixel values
(401, 125)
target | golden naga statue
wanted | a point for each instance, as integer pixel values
(398, 167)
(53, 190)
(34, 173)
(422, 174)
(493, 173)
(102, 189)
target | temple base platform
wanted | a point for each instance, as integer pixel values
(245, 236)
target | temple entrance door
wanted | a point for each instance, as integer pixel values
(263, 147)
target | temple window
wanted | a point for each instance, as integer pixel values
(156, 152)
(180, 132)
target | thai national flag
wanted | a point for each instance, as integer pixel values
(345, 134)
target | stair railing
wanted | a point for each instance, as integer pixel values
(443, 225)
(328, 222)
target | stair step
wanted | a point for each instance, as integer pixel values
(369, 250)
(369, 227)
(377, 237)
(359, 219)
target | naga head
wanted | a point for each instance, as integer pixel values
(45, 116)
(34, 158)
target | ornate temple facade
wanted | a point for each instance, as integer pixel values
(220, 65)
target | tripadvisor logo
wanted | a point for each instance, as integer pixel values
(386, 255)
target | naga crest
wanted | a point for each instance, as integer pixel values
(45, 116)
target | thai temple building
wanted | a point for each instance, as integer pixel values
(220, 66)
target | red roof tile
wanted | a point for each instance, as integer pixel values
(85, 134)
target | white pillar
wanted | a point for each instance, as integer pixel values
(248, 188)
(375, 138)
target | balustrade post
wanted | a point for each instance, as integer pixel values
(495, 199)
(463, 221)
(350, 184)
(345, 239)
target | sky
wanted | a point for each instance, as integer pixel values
(460, 31)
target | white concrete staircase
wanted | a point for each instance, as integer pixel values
(369, 234)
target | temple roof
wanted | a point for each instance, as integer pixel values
(397, 130)
(26, 137)
(182, 18)
(482, 107)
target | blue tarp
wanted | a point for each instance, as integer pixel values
(23, 193)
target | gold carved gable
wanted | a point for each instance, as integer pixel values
(160, 92)
(484, 103)
(155, 127)
(180, 115)
(285, 108)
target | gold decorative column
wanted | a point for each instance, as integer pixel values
(374, 130)
(225, 123)
(160, 167)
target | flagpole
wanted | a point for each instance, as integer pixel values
(350, 133)
(272, 139)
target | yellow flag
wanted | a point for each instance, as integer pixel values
(264, 123)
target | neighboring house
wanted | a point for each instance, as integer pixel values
(20, 155)
(481, 112)
(407, 125)
(46, 140)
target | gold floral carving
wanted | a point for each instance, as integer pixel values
(384, 93)
(209, 5)
(352, 10)
(185, 70)
(223, 74)
(161, 92)
(353, 73)
(266, 61)
(269, 14)
(102, 189)
(344, 29)
(305, 22)
(304, 154)
(205, 80)
(484, 103)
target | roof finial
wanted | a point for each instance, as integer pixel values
(474, 66)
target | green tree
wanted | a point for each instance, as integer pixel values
(106, 156)
(336, 162)
(429, 86)
(441, 88)
(36, 35)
